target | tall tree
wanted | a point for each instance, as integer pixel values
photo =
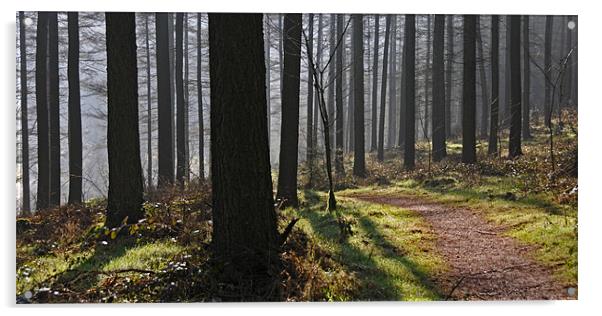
(339, 117)
(180, 107)
(438, 124)
(383, 92)
(75, 119)
(448, 74)
(149, 120)
(199, 83)
(482, 83)
(268, 66)
(25, 207)
(505, 110)
(166, 163)
(123, 139)
(427, 75)
(310, 102)
(495, 88)
(526, 104)
(54, 110)
(548, 70)
(359, 159)
(402, 95)
(469, 154)
(392, 83)
(318, 60)
(410, 80)
(331, 79)
(186, 103)
(244, 220)
(289, 139)
(515, 88)
(43, 193)
(373, 146)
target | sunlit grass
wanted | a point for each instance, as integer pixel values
(391, 250)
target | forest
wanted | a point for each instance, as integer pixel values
(245, 157)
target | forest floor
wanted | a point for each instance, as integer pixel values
(496, 230)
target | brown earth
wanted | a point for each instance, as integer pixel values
(484, 264)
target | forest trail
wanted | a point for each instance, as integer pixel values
(483, 263)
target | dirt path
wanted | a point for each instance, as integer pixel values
(485, 265)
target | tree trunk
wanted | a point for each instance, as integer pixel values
(373, 134)
(54, 110)
(427, 80)
(548, 69)
(483, 83)
(180, 119)
(507, 80)
(495, 88)
(199, 82)
(469, 91)
(359, 164)
(289, 139)
(526, 104)
(515, 88)
(166, 164)
(75, 119)
(392, 76)
(316, 96)
(43, 192)
(383, 92)
(244, 220)
(410, 102)
(402, 97)
(448, 74)
(310, 103)
(268, 70)
(123, 139)
(331, 80)
(149, 129)
(172, 82)
(186, 104)
(25, 207)
(339, 117)
(438, 126)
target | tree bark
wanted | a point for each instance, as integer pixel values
(123, 139)
(331, 83)
(427, 80)
(548, 69)
(310, 103)
(438, 124)
(199, 80)
(54, 110)
(359, 163)
(244, 220)
(410, 103)
(180, 107)
(75, 119)
(289, 139)
(515, 88)
(448, 74)
(483, 83)
(383, 92)
(495, 88)
(339, 117)
(43, 190)
(526, 104)
(166, 164)
(149, 127)
(373, 144)
(392, 76)
(25, 206)
(469, 91)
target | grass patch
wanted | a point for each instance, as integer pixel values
(389, 250)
